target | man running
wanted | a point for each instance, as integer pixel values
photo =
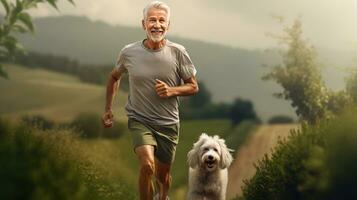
(159, 71)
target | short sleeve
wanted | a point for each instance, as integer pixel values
(186, 67)
(120, 63)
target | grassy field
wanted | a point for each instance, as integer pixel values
(56, 96)
(119, 156)
(61, 97)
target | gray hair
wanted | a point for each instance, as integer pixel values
(159, 5)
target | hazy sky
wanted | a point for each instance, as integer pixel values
(330, 24)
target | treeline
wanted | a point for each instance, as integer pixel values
(95, 74)
(201, 106)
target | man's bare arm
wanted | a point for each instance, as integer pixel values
(189, 87)
(112, 88)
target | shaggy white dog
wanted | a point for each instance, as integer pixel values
(208, 174)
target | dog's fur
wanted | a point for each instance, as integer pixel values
(208, 174)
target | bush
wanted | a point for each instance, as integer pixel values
(47, 165)
(30, 168)
(242, 110)
(38, 121)
(281, 119)
(317, 162)
(90, 126)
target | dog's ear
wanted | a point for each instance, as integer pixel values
(193, 158)
(226, 157)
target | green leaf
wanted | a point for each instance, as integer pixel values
(3, 73)
(17, 9)
(53, 3)
(30, 4)
(19, 28)
(71, 1)
(9, 43)
(26, 19)
(6, 6)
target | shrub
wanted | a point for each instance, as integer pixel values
(242, 110)
(280, 119)
(90, 126)
(316, 162)
(38, 121)
(45, 165)
(30, 168)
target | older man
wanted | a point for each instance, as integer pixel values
(159, 71)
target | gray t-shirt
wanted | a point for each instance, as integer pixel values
(171, 64)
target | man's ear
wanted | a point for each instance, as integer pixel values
(143, 24)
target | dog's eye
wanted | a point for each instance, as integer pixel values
(214, 149)
(206, 149)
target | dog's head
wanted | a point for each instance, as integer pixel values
(209, 153)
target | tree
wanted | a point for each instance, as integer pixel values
(242, 110)
(17, 20)
(300, 76)
(202, 98)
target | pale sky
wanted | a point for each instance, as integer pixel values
(330, 24)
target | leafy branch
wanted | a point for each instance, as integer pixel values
(17, 20)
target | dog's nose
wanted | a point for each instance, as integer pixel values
(210, 157)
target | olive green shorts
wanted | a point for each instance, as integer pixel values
(163, 137)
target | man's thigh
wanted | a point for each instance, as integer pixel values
(167, 137)
(141, 134)
(145, 153)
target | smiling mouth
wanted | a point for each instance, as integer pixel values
(156, 31)
(210, 163)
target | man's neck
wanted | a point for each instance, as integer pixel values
(154, 45)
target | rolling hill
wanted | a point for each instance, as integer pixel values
(56, 96)
(228, 72)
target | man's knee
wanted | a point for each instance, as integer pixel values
(147, 168)
(164, 179)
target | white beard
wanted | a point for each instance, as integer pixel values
(155, 38)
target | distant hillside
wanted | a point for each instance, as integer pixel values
(228, 72)
(56, 96)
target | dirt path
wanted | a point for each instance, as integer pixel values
(253, 150)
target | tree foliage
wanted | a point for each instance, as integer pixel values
(280, 119)
(200, 106)
(95, 74)
(242, 110)
(301, 80)
(351, 86)
(17, 20)
(202, 98)
(317, 162)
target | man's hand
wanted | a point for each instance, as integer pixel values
(162, 89)
(107, 118)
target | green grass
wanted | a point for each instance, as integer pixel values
(239, 134)
(56, 96)
(120, 155)
(56, 164)
(190, 131)
(61, 97)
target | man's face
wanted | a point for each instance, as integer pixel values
(156, 24)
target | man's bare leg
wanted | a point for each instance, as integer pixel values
(164, 178)
(145, 155)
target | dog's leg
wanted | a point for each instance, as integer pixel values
(193, 196)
